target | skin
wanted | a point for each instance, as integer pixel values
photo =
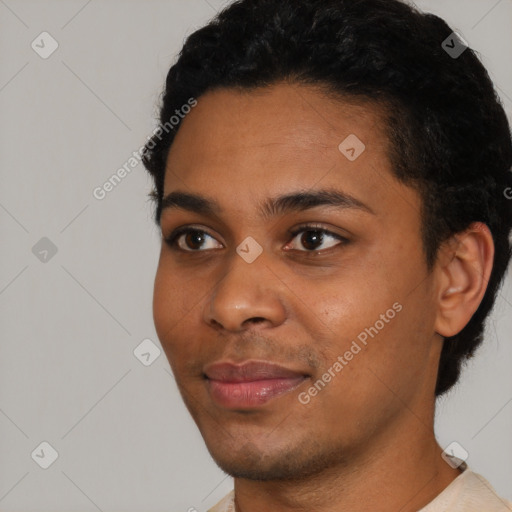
(366, 440)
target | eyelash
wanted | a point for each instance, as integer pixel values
(172, 240)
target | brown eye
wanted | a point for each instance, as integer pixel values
(189, 240)
(193, 240)
(312, 238)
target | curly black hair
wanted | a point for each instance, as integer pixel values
(449, 136)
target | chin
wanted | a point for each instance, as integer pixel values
(293, 463)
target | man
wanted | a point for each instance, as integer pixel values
(329, 182)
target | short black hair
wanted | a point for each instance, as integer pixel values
(449, 136)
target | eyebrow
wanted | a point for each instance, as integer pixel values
(271, 207)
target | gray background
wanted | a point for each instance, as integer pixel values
(68, 375)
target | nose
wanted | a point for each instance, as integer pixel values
(248, 294)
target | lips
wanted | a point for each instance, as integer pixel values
(250, 384)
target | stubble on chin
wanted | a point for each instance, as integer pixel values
(294, 461)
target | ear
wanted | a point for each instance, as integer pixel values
(464, 265)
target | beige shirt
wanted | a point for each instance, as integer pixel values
(469, 492)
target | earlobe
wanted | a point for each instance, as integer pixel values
(465, 266)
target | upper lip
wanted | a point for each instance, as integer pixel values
(249, 371)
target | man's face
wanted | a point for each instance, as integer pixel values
(359, 287)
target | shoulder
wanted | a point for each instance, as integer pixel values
(469, 492)
(478, 493)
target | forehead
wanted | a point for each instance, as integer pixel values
(239, 145)
(290, 116)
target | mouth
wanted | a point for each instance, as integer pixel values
(251, 384)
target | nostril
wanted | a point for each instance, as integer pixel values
(256, 320)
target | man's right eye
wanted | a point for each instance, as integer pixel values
(188, 240)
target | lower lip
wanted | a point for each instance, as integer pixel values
(250, 394)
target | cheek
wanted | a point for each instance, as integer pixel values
(169, 310)
(351, 301)
(163, 310)
(380, 312)
(178, 301)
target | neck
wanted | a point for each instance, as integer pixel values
(402, 470)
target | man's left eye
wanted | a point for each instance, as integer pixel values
(312, 238)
